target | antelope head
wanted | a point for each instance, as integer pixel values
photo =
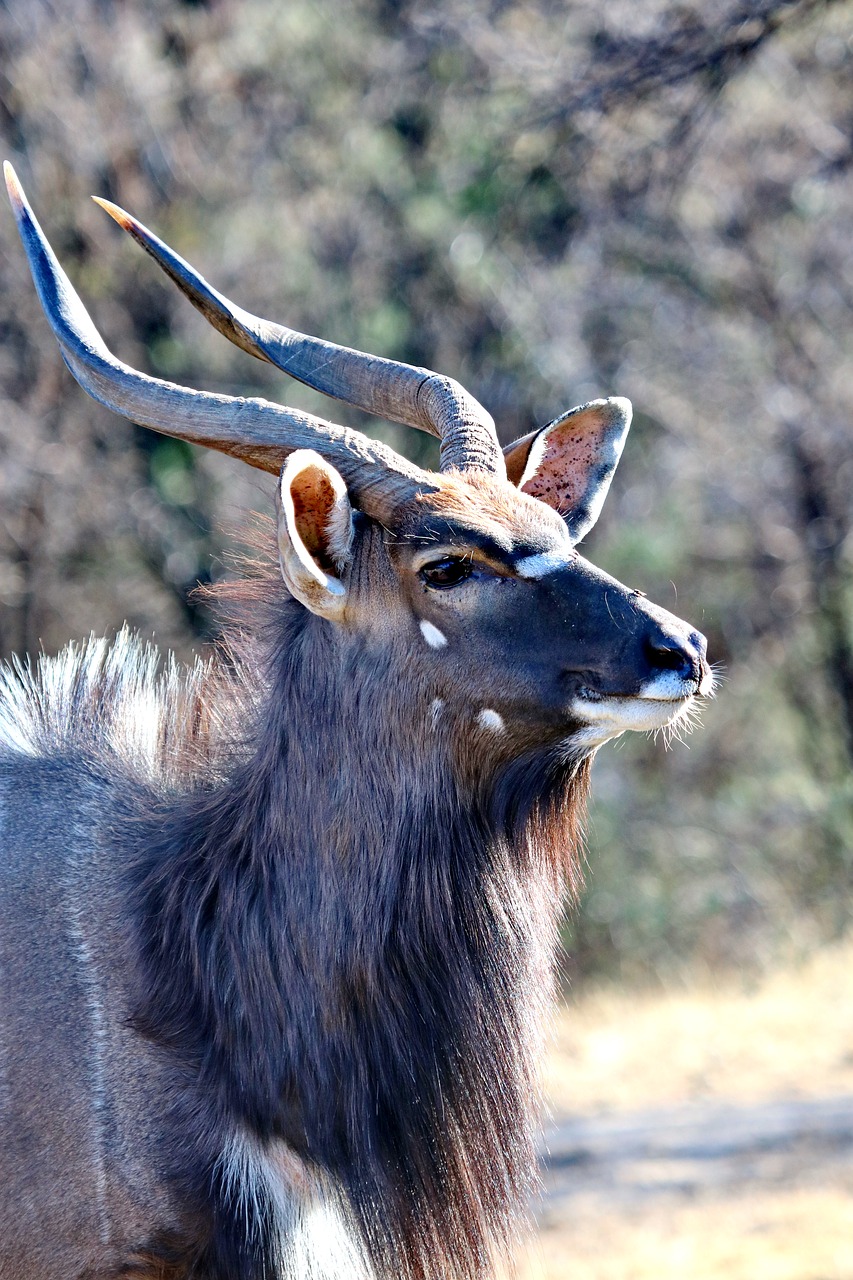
(468, 581)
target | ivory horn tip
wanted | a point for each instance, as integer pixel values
(121, 217)
(13, 186)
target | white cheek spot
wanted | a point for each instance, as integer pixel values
(435, 709)
(434, 638)
(545, 562)
(489, 719)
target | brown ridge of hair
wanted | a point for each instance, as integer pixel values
(396, 1047)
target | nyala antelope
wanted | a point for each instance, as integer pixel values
(277, 932)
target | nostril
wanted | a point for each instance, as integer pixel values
(669, 655)
(700, 644)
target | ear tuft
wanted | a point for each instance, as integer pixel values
(315, 531)
(569, 463)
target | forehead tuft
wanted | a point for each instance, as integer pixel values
(479, 502)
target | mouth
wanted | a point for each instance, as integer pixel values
(667, 704)
(667, 688)
(616, 713)
(594, 696)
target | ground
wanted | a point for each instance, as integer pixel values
(704, 1133)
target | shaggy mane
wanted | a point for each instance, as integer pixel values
(118, 700)
(269, 881)
(165, 722)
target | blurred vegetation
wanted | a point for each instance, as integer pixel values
(550, 202)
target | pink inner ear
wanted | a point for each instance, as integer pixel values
(313, 499)
(566, 459)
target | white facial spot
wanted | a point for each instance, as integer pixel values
(435, 709)
(434, 638)
(545, 562)
(489, 719)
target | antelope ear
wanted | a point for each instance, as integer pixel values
(314, 532)
(569, 464)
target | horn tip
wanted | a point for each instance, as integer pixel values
(118, 214)
(13, 186)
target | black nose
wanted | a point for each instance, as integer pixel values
(683, 655)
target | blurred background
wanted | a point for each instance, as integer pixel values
(549, 202)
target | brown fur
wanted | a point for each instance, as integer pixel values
(338, 916)
(277, 938)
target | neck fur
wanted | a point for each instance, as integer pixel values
(356, 957)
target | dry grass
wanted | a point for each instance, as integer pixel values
(790, 1036)
(766, 1235)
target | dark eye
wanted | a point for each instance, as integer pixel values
(449, 572)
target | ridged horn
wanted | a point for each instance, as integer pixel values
(387, 388)
(254, 430)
